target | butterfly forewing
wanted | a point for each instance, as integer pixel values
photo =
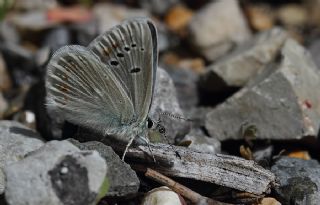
(130, 51)
(87, 93)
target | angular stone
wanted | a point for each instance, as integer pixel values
(158, 7)
(3, 106)
(216, 27)
(86, 31)
(202, 143)
(5, 80)
(56, 174)
(299, 181)
(238, 67)
(313, 7)
(122, 179)
(185, 82)
(49, 124)
(34, 4)
(263, 154)
(57, 38)
(17, 57)
(165, 101)
(109, 15)
(32, 20)
(260, 16)
(293, 15)
(280, 103)
(314, 49)
(162, 196)
(16, 141)
(178, 18)
(27, 118)
(166, 39)
(8, 33)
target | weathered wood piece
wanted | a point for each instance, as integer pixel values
(224, 170)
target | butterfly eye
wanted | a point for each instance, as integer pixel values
(150, 123)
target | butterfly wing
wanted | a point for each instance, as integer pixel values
(86, 91)
(130, 50)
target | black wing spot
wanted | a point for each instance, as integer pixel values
(133, 45)
(126, 48)
(120, 55)
(142, 49)
(135, 70)
(114, 62)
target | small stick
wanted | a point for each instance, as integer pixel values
(180, 189)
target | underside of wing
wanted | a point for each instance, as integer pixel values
(130, 51)
(86, 92)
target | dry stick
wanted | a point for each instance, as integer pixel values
(180, 189)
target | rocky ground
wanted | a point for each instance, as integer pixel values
(239, 82)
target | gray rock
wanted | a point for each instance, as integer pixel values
(158, 7)
(17, 57)
(3, 106)
(86, 32)
(202, 143)
(16, 141)
(109, 15)
(35, 4)
(216, 27)
(26, 117)
(198, 116)
(314, 49)
(280, 103)
(299, 181)
(32, 20)
(166, 39)
(263, 154)
(185, 82)
(56, 174)
(8, 33)
(42, 56)
(165, 101)
(122, 179)
(238, 67)
(56, 122)
(57, 38)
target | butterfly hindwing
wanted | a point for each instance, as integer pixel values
(81, 87)
(130, 51)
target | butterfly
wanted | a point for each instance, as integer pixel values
(108, 86)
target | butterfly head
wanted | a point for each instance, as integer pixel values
(156, 130)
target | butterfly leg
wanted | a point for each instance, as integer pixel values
(154, 160)
(127, 147)
(150, 150)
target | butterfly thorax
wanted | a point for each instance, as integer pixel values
(137, 130)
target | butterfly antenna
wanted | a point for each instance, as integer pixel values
(178, 117)
(127, 147)
(175, 116)
(171, 145)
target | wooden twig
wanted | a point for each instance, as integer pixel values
(180, 189)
